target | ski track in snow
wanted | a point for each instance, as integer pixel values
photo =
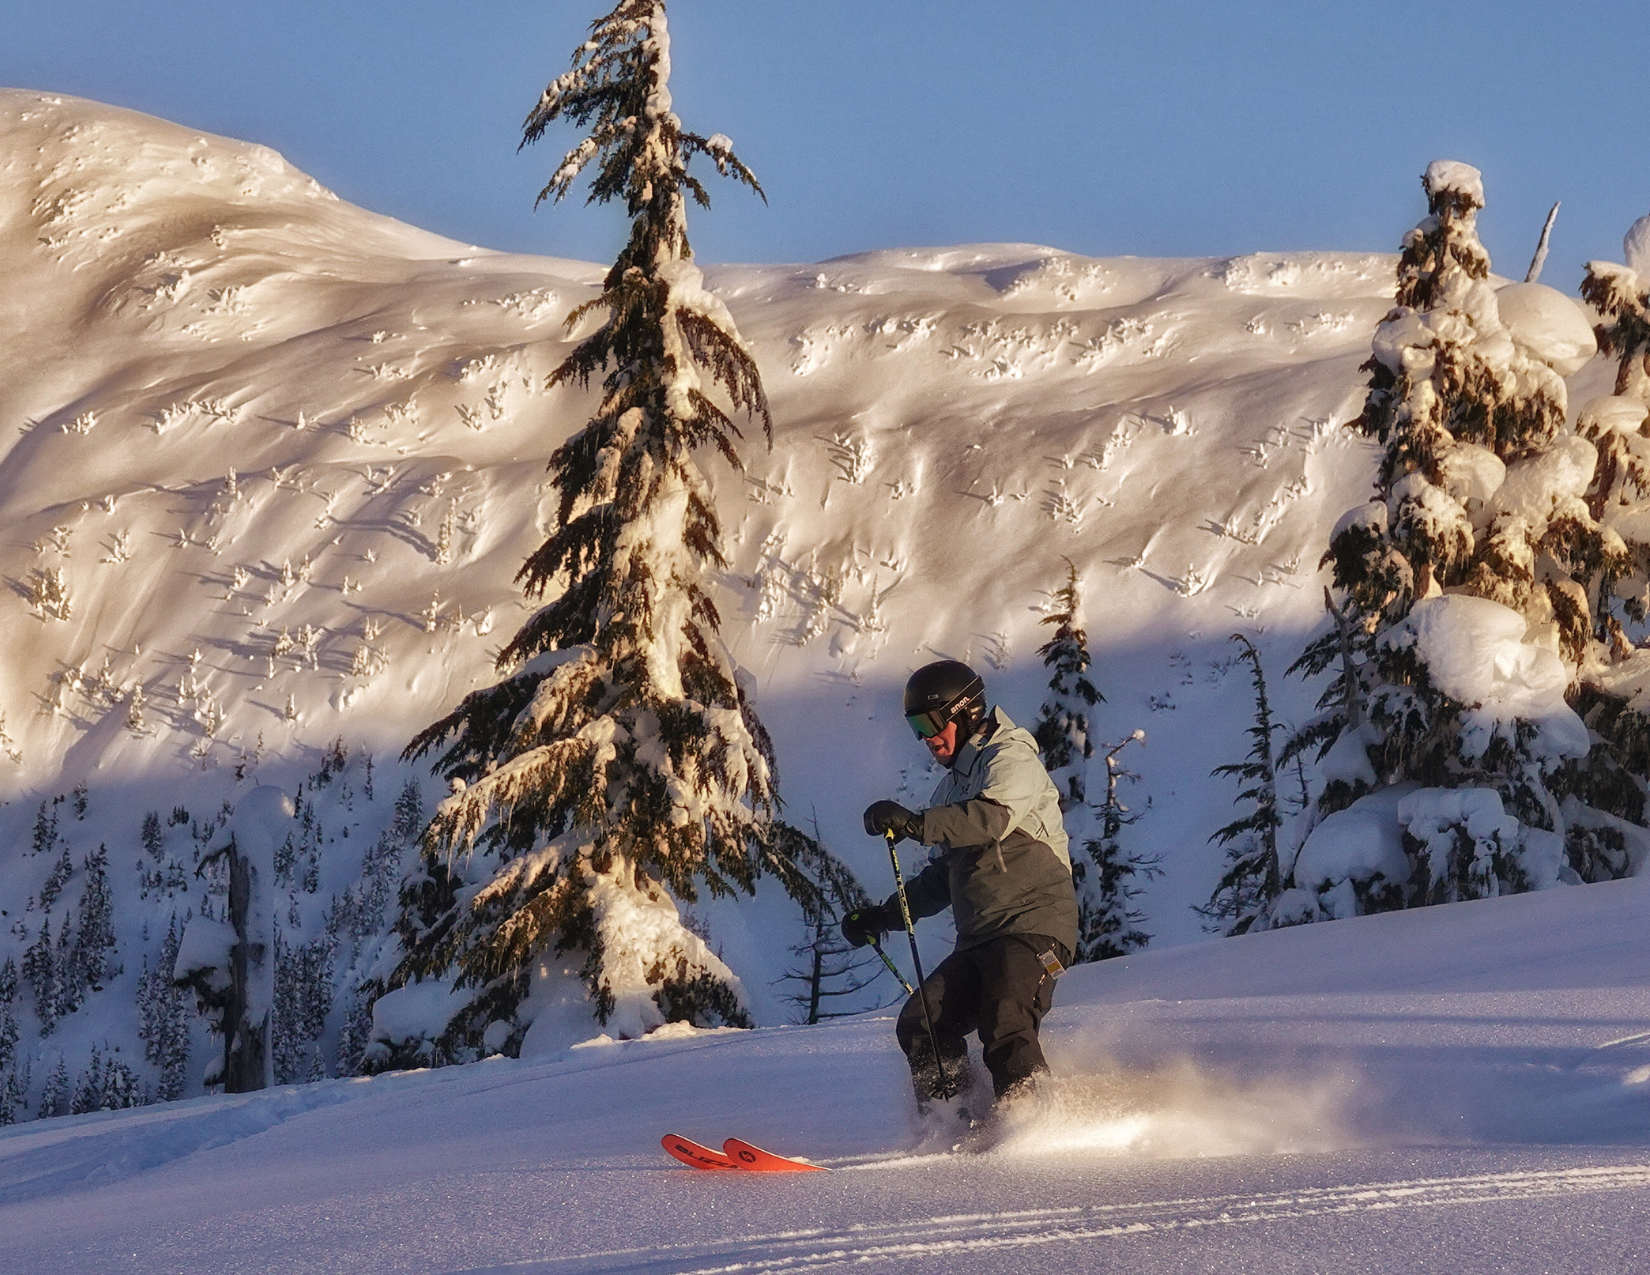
(43, 1158)
(1478, 1074)
(957, 1236)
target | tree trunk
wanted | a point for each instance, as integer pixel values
(245, 1044)
(814, 982)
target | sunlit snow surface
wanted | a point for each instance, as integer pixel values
(233, 407)
(1460, 1089)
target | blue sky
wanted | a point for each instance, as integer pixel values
(1168, 127)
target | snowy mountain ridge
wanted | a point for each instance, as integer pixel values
(278, 460)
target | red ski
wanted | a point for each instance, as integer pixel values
(755, 1160)
(740, 1155)
(691, 1153)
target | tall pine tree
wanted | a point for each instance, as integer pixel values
(619, 764)
(1252, 880)
(1108, 921)
(1063, 726)
(9, 1032)
(1473, 594)
(1103, 873)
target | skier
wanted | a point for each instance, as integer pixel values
(1001, 863)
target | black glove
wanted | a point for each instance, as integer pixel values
(890, 816)
(864, 924)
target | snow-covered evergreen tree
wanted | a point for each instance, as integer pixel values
(54, 1094)
(1103, 873)
(56, 879)
(88, 1087)
(1252, 879)
(229, 963)
(1470, 595)
(14, 1093)
(45, 828)
(1613, 691)
(9, 1031)
(1108, 922)
(303, 999)
(1454, 398)
(1063, 726)
(1622, 299)
(361, 918)
(94, 938)
(67, 967)
(619, 765)
(40, 968)
(163, 1019)
(121, 1088)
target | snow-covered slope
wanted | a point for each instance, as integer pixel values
(277, 460)
(1457, 1089)
(243, 407)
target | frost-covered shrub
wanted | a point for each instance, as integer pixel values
(1464, 846)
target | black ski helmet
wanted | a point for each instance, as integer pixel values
(942, 692)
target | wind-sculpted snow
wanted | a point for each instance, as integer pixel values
(277, 460)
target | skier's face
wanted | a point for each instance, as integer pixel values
(943, 747)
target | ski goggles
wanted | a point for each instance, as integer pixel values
(927, 725)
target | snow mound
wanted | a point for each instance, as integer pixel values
(1613, 413)
(1472, 474)
(418, 1011)
(262, 821)
(1354, 845)
(1628, 678)
(1540, 488)
(1435, 816)
(1449, 174)
(1475, 653)
(1547, 325)
(1635, 246)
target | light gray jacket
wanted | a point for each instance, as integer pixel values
(1002, 863)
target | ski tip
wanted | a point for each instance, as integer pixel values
(692, 1154)
(754, 1159)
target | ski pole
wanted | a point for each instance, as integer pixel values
(945, 1090)
(892, 968)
